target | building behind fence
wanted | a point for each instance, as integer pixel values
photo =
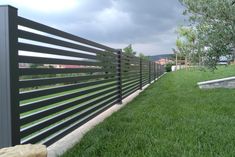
(65, 81)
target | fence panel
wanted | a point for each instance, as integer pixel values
(59, 81)
(145, 72)
(69, 81)
(130, 74)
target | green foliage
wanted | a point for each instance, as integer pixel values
(142, 56)
(180, 56)
(129, 50)
(187, 44)
(168, 67)
(214, 21)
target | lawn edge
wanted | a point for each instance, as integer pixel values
(74, 137)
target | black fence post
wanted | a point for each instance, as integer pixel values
(119, 76)
(154, 71)
(158, 70)
(162, 68)
(149, 72)
(9, 77)
(141, 85)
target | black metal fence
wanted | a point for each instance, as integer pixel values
(52, 82)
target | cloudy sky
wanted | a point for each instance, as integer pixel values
(149, 25)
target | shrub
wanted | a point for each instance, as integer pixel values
(168, 67)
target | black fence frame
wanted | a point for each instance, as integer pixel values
(129, 74)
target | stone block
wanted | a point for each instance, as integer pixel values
(28, 150)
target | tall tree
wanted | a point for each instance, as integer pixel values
(214, 21)
(129, 50)
(142, 56)
(186, 43)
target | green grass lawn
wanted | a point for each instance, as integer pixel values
(173, 117)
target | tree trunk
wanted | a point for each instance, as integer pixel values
(186, 62)
(176, 60)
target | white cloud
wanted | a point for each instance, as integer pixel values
(110, 17)
(148, 26)
(45, 6)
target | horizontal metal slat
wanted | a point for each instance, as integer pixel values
(145, 78)
(53, 41)
(35, 25)
(129, 79)
(38, 137)
(130, 73)
(54, 51)
(130, 82)
(69, 129)
(130, 76)
(49, 81)
(130, 69)
(126, 74)
(145, 82)
(136, 87)
(125, 82)
(130, 61)
(42, 103)
(136, 67)
(127, 59)
(130, 86)
(54, 90)
(130, 90)
(127, 65)
(145, 72)
(45, 123)
(41, 60)
(145, 66)
(145, 75)
(126, 62)
(127, 93)
(44, 71)
(46, 112)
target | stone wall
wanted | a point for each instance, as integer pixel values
(228, 82)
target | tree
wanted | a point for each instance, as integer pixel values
(214, 22)
(129, 51)
(186, 43)
(142, 56)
